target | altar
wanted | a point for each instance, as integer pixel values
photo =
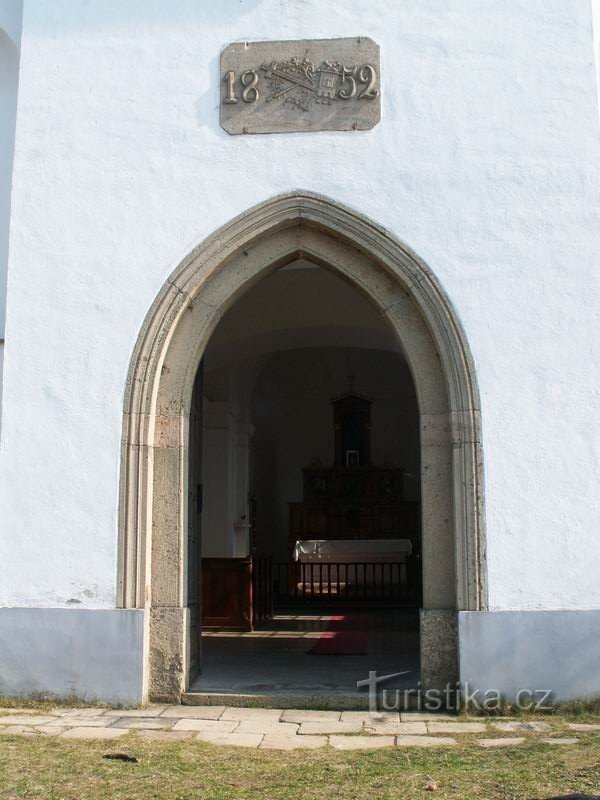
(353, 550)
(353, 534)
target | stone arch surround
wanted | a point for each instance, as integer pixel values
(153, 520)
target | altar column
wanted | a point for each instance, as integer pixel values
(244, 431)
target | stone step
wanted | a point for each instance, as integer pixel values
(285, 700)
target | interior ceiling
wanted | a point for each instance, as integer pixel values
(298, 306)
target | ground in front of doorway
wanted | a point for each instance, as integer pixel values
(220, 752)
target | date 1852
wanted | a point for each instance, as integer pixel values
(358, 82)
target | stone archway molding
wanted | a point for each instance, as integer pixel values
(153, 523)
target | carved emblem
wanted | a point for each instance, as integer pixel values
(333, 85)
(301, 83)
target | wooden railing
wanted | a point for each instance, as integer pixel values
(262, 590)
(359, 580)
(381, 582)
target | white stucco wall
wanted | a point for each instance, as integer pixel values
(11, 13)
(596, 29)
(9, 77)
(485, 162)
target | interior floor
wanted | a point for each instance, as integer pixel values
(276, 657)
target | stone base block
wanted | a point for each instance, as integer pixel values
(439, 648)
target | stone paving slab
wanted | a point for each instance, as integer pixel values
(165, 736)
(85, 722)
(257, 726)
(52, 730)
(274, 741)
(20, 730)
(215, 725)
(94, 733)
(270, 714)
(456, 727)
(425, 741)
(366, 716)
(310, 716)
(360, 742)
(561, 740)
(505, 741)
(144, 723)
(277, 729)
(33, 730)
(516, 725)
(324, 728)
(397, 728)
(195, 712)
(574, 726)
(83, 712)
(24, 719)
(148, 711)
(231, 739)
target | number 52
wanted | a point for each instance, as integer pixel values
(366, 74)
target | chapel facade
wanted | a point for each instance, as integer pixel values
(300, 306)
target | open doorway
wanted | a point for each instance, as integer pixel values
(307, 420)
(161, 496)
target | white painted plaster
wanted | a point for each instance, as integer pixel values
(519, 651)
(1, 376)
(596, 43)
(485, 163)
(9, 82)
(93, 655)
(11, 18)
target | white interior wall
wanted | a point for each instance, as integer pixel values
(293, 419)
(219, 479)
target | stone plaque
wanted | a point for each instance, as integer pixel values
(305, 85)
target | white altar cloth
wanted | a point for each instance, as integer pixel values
(352, 550)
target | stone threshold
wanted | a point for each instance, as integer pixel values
(334, 701)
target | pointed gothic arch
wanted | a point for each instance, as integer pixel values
(153, 520)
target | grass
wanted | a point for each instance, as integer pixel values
(46, 703)
(54, 769)
(575, 710)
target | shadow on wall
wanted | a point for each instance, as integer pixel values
(9, 83)
(11, 20)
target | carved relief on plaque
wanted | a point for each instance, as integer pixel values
(310, 85)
